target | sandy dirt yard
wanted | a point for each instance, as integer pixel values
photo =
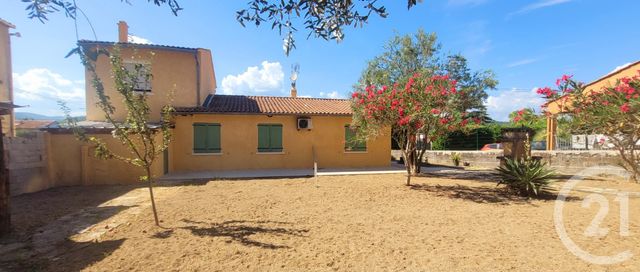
(343, 223)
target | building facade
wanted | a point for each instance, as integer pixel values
(210, 132)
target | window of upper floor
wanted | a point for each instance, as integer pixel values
(140, 75)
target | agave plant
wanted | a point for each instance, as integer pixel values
(525, 176)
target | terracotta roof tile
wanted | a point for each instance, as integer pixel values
(270, 105)
(32, 124)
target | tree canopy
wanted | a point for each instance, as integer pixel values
(405, 55)
(419, 109)
(324, 19)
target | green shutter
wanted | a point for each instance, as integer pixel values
(275, 138)
(350, 141)
(347, 138)
(199, 138)
(213, 138)
(206, 138)
(263, 138)
(270, 138)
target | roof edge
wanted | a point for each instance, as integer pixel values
(140, 45)
(611, 74)
(10, 25)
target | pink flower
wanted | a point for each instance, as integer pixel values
(625, 107)
(403, 121)
(435, 111)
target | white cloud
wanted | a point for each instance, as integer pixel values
(459, 3)
(333, 95)
(521, 62)
(41, 89)
(500, 105)
(538, 5)
(268, 77)
(136, 39)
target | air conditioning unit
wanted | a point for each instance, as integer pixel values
(304, 123)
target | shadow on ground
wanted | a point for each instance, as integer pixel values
(482, 194)
(80, 255)
(44, 222)
(34, 210)
(239, 231)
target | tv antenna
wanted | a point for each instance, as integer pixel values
(295, 70)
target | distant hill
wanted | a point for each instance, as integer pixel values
(35, 116)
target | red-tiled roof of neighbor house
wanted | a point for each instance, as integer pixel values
(276, 105)
(137, 45)
(32, 124)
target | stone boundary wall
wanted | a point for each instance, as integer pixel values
(27, 163)
(565, 162)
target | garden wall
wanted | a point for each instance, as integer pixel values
(565, 162)
(27, 163)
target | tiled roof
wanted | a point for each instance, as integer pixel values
(32, 124)
(137, 45)
(275, 105)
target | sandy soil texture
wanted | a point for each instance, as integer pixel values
(355, 223)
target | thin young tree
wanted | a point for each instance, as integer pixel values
(145, 141)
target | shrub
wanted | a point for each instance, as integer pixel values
(526, 177)
(456, 158)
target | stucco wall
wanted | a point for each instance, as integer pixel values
(5, 77)
(173, 72)
(239, 138)
(566, 162)
(73, 163)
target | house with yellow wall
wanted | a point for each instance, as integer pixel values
(560, 106)
(211, 132)
(6, 86)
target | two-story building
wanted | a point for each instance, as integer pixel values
(212, 131)
(6, 86)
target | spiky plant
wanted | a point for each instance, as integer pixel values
(526, 177)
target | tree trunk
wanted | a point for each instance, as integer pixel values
(410, 161)
(5, 212)
(153, 201)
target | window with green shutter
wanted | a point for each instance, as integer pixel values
(206, 138)
(270, 138)
(351, 143)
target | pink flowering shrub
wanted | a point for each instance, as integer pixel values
(612, 110)
(423, 105)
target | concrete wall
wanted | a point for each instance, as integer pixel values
(27, 163)
(566, 162)
(46, 160)
(239, 140)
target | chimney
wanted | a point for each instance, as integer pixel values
(123, 32)
(294, 92)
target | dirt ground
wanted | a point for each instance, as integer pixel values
(341, 223)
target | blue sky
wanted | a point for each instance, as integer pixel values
(527, 43)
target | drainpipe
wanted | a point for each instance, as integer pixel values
(197, 77)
